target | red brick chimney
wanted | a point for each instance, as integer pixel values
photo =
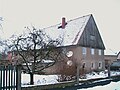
(63, 22)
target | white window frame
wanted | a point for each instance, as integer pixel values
(84, 50)
(92, 51)
(99, 52)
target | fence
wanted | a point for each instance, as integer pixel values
(10, 77)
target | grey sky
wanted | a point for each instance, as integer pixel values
(43, 13)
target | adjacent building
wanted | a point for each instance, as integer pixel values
(115, 63)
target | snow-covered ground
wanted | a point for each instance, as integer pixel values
(102, 74)
(39, 79)
(111, 86)
(52, 79)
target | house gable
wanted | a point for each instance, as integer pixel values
(91, 36)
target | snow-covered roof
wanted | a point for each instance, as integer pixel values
(118, 55)
(72, 31)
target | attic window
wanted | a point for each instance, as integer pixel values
(92, 37)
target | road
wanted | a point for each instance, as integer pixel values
(104, 85)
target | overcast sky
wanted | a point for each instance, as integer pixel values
(43, 13)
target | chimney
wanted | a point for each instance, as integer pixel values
(63, 22)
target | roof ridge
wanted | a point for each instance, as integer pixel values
(79, 17)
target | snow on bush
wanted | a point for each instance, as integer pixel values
(52, 79)
(94, 75)
(114, 73)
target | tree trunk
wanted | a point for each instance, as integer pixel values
(32, 74)
(31, 78)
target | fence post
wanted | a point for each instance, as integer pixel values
(1, 76)
(18, 77)
(78, 73)
(109, 71)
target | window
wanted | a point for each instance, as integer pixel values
(100, 52)
(69, 53)
(100, 65)
(93, 65)
(92, 37)
(83, 65)
(84, 50)
(92, 51)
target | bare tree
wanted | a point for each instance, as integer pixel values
(4, 48)
(36, 50)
